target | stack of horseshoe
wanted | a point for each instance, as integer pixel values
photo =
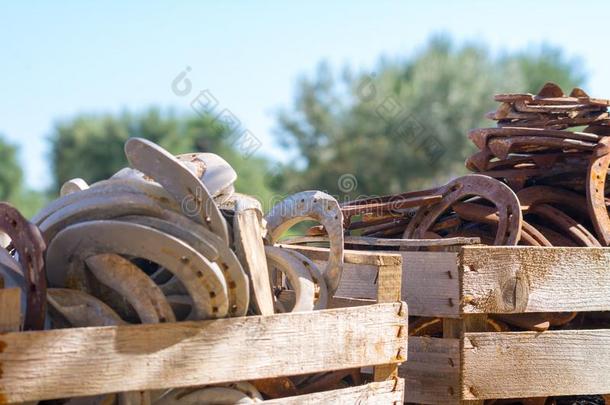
(539, 180)
(168, 239)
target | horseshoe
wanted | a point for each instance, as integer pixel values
(30, 247)
(204, 282)
(212, 247)
(596, 187)
(112, 188)
(81, 309)
(134, 285)
(487, 215)
(321, 301)
(217, 175)
(317, 206)
(501, 147)
(566, 223)
(481, 136)
(298, 275)
(507, 204)
(183, 185)
(73, 186)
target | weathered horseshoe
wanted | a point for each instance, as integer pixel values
(481, 136)
(566, 223)
(501, 147)
(73, 186)
(212, 247)
(534, 195)
(317, 206)
(134, 285)
(99, 208)
(298, 275)
(30, 247)
(81, 309)
(480, 213)
(183, 184)
(204, 282)
(115, 187)
(505, 200)
(217, 175)
(321, 301)
(596, 187)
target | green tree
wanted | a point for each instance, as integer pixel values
(91, 146)
(404, 126)
(11, 175)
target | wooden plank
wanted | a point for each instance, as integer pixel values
(388, 290)
(432, 373)
(535, 279)
(386, 392)
(430, 283)
(350, 256)
(531, 364)
(457, 328)
(250, 250)
(370, 241)
(10, 309)
(43, 365)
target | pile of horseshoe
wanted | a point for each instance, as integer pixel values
(168, 239)
(539, 179)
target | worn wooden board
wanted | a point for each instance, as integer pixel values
(535, 279)
(350, 256)
(43, 365)
(530, 364)
(250, 250)
(432, 374)
(430, 283)
(10, 309)
(386, 392)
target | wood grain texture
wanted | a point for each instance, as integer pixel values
(350, 256)
(250, 250)
(432, 374)
(535, 279)
(10, 309)
(530, 364)
(43, 365)
(386, 392)
(430, 284)
(388, 290)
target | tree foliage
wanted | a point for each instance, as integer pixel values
(91, 146)
(404, 126)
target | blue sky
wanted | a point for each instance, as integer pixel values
(58, 59)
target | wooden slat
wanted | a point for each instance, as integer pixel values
(432, 374)
(386, 392)
(530, 364)
(350, 256)
(10, 309)
(535, 279)
(430, 283)
(388, 290)
(43, 365)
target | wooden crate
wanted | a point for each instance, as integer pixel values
(471, 365)
(90, 361)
